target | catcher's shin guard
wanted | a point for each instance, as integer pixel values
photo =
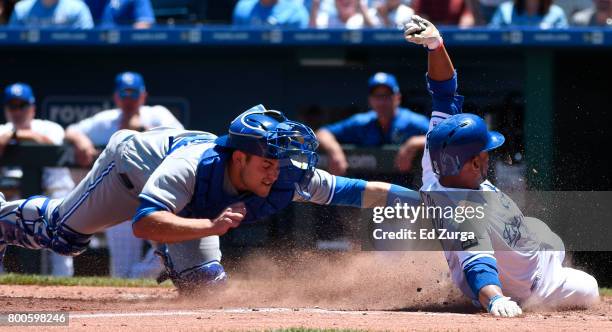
(23, 223)
(26, 224)
(69, 242)
(207, 276)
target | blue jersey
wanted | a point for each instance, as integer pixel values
(192, 181)
(121, 12)
(285, 13)
(64, 14)
(363, 129)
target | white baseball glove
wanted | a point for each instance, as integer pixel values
(421, 31)
(503, 306)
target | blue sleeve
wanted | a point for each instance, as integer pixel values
(400, 195)
(146, 208)
(143, 11)
(444, 95)
(343, 130)
(481, 272)
(348, 192)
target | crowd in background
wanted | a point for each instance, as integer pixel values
(320, 14)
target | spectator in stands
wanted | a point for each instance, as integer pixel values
(130, 97)
(266, 13)
(386, 123)
(109, 13)
(20, 110)
(600, 14)
(571, 7)
(390, 14)
(6, 8)
(445, 12)
(52, 13)
(539, 13)
(348, 14)
(483, 10)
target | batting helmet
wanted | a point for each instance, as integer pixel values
(458, 139)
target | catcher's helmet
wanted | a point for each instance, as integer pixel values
(457, 139)
(268, 134)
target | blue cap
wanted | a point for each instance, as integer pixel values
(129, 84)
(19, 91)
(385, 79)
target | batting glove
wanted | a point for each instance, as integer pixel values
(503, 306)
(421, 31)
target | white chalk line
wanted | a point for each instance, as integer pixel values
(249, 310)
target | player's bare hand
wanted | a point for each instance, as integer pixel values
(231, 217)
(421, 31)
(337, 164)
(504, 307)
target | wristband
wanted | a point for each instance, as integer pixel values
(439, 44)
(493, 299)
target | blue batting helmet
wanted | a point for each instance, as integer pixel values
(458, 139)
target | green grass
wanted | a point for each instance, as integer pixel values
(605, 291)
(33, 279)
(40, 280)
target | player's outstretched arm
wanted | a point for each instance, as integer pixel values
(441, 79)
(327, 189)
(166, 227)
(387, 194)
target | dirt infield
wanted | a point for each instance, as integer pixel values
(364, 291)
